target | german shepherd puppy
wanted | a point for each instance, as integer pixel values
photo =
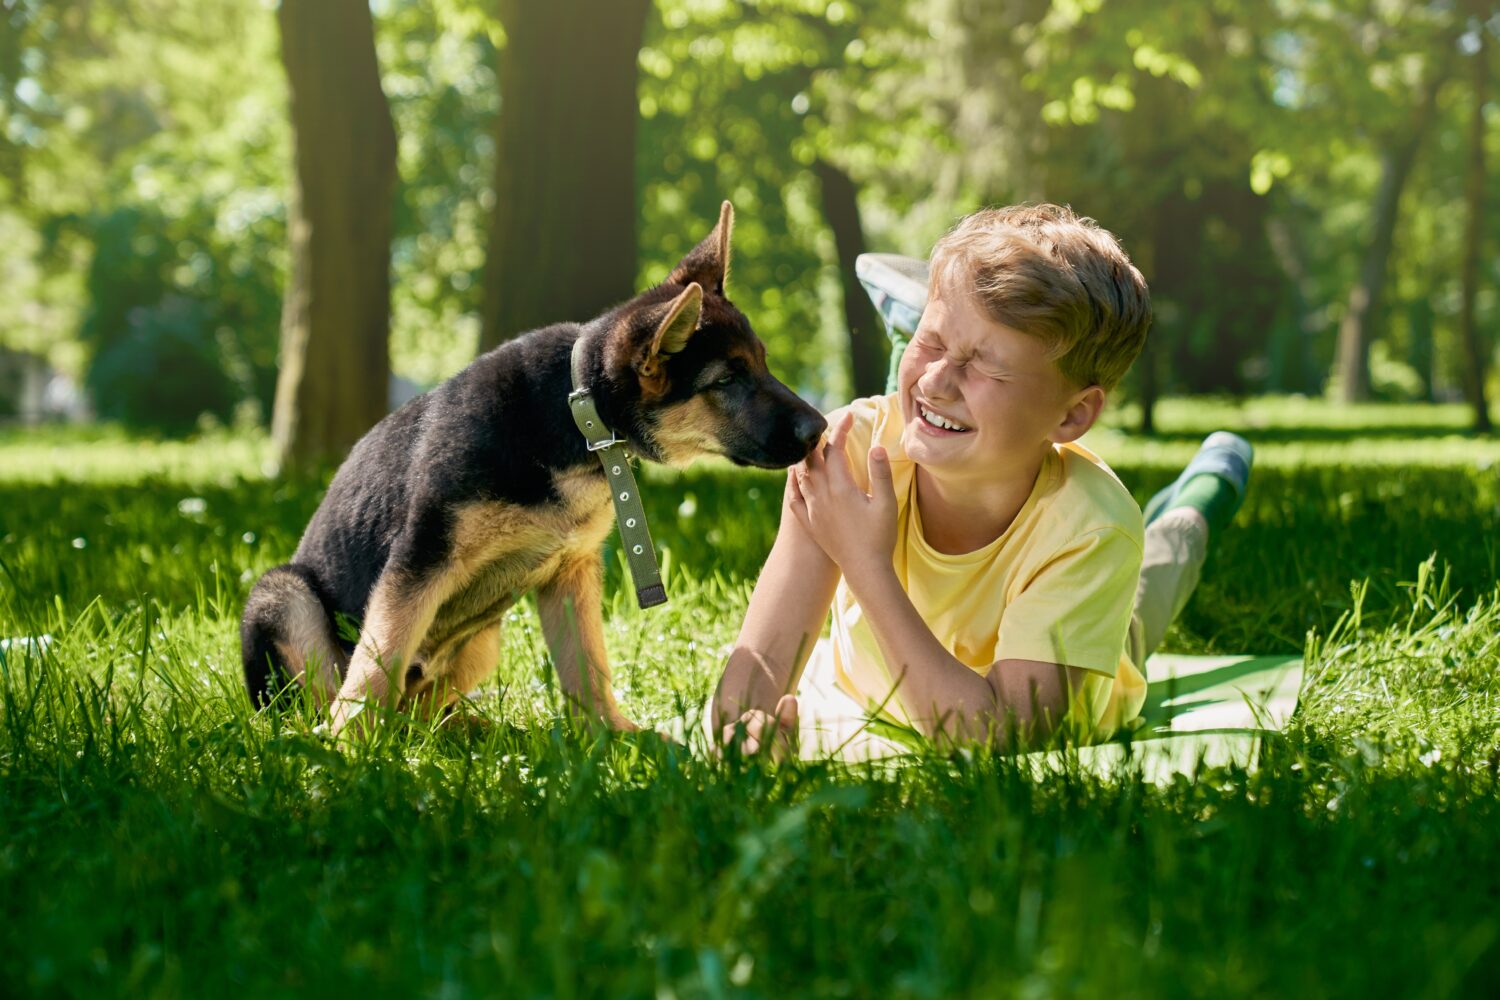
(481, 490)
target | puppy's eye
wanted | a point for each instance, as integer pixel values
(724, 381)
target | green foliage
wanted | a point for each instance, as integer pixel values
(717, 91)
(155, 157)
(165, 372)
(438, 70)
(1235, 147)
(178, 323)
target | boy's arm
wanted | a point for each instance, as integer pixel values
(1017, 702)
(857, 532)
(787, 609)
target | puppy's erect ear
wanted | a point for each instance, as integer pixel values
(708, 262)
(678, 324)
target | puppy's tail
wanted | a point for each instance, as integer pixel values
(287, 635)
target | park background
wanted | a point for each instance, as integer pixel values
(1302, 183)
(233, 233)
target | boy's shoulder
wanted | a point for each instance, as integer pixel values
(1086, 496)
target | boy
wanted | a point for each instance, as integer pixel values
(985, 571)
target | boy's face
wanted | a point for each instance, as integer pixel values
(979, 399)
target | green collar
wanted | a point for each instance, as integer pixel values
(630, 515)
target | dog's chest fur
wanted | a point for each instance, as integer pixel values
(506, 549)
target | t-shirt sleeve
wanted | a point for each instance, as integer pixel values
(1075, 609)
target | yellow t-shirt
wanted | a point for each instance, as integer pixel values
(1058, 586)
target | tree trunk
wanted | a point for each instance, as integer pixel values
(1419, 321)
(1356, 331)
(1299, 373)
(562, 240)
(335, 363)
(868, 348)
(1475, 355)
(1149, 389)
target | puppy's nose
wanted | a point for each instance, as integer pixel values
(808, 427)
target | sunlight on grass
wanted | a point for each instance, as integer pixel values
(165, 840)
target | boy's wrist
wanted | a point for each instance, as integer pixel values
(870, 576)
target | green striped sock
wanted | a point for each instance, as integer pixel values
(1212, 496)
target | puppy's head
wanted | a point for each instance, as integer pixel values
(693, 375)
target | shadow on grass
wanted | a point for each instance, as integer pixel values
(1163, 699)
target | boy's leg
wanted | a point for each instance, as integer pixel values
(1172, 560)
(1213, 483)
(897, 286)
(1179, 521)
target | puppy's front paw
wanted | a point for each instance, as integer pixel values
(349, 721)
(620, 724)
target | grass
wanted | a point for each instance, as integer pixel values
(159, 839)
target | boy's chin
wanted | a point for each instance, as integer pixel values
(932, 450)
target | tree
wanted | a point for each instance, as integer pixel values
(867, 347)
(334, 354)
(1149, 117)
(142, 190)
(745, 101)
(562, 239)
(1472, 341)
(1356, 330)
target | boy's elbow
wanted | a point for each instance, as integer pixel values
(1030, 701)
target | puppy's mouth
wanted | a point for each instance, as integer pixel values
(934, 419)
(762, 454)
(762, 460)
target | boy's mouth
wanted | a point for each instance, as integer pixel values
(934, 419)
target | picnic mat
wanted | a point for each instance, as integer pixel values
(1199, 711)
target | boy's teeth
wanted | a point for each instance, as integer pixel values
(937, 420)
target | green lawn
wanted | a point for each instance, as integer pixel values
(156, 838)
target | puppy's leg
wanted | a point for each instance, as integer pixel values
(470, 665)
(286, 634)
(400, 612)
(574, 626)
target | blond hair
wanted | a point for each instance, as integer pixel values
(1050, 273)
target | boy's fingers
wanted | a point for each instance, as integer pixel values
(841, 431)
(880, 474)
(784, 743)
(786, 712)
(835, 455)
(748, 730)
(837, 466)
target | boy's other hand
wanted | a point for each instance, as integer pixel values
(853, 527)
(764, 731)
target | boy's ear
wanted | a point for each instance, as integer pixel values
(1085, 408)
(708, 262)
(681, 319)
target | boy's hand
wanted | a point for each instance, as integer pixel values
(856, 529)
(763, 731)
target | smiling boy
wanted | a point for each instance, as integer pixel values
(982, 567)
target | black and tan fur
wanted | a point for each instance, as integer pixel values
(481, 490)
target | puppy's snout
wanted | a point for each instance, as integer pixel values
(809, 427)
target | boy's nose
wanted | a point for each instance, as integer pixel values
(937, 378)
